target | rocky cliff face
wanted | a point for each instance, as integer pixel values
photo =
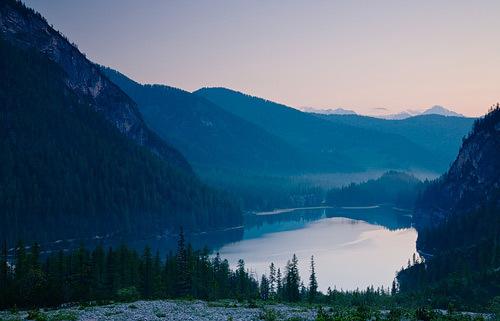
(26, 29)
(473, 179)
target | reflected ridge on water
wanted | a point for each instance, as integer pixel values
(353, 247)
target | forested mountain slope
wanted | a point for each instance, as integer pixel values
(458, 220)
(24, 28)
(441, 135)
(330, 147)
(473, 179)
(71, 168)
(206, 134)
(397, 188)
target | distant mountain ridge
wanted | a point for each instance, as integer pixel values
(336, 111)
(208, 135)
(441, 135)
(434, 110)
(332, 146)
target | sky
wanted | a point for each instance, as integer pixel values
(375, 57)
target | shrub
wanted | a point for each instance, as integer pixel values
(423, 314)
(37, 315)
(128, 294)
(64, 316)
(268, 315)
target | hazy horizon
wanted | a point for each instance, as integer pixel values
(374, 58)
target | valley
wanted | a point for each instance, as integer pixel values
(129, 199)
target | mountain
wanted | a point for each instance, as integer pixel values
(77, 159)
(401, 115)
(440, 135)
(336, 111)
(434, 110)
(27, 29)
(329, 146)
(440, 110)
(458, 223)
(209, 136)
(473, 179)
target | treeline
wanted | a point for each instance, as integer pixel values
(118, 274)
(102, 275)
(488, 121)
(463, 263)
(398, 188)
(262, 192)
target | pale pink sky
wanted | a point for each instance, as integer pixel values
(359, 55)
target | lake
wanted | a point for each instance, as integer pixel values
(352, 248)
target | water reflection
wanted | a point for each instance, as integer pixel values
(387, 216)
(352, 248)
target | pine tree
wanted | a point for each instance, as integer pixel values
(98, 266)
(35, 256)
(264, 288)
(80, 281)
(36, 277)
(394, 288)
(20, 262)
(279, 285)
(147, 273)
(313, 283)
(272, 281)
(98, 275)
(109, 279)
(4, 269)
(241, 277)
(157, 276)
(183, 274)
(303, 291)
(292, 284)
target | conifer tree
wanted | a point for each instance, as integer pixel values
(157, 276)
(183, 274)
(81, 275)
(109, 280)
(394, 288)
(98, 263)
(147, 273)
(303, 291)
(20, 262)
(272, 281)
(292, 284)
(264, 288)
(4, 269)
(279, 285)
(313, 283)
(241, 278)
(35, 256)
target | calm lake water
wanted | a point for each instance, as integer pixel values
(352, 248)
